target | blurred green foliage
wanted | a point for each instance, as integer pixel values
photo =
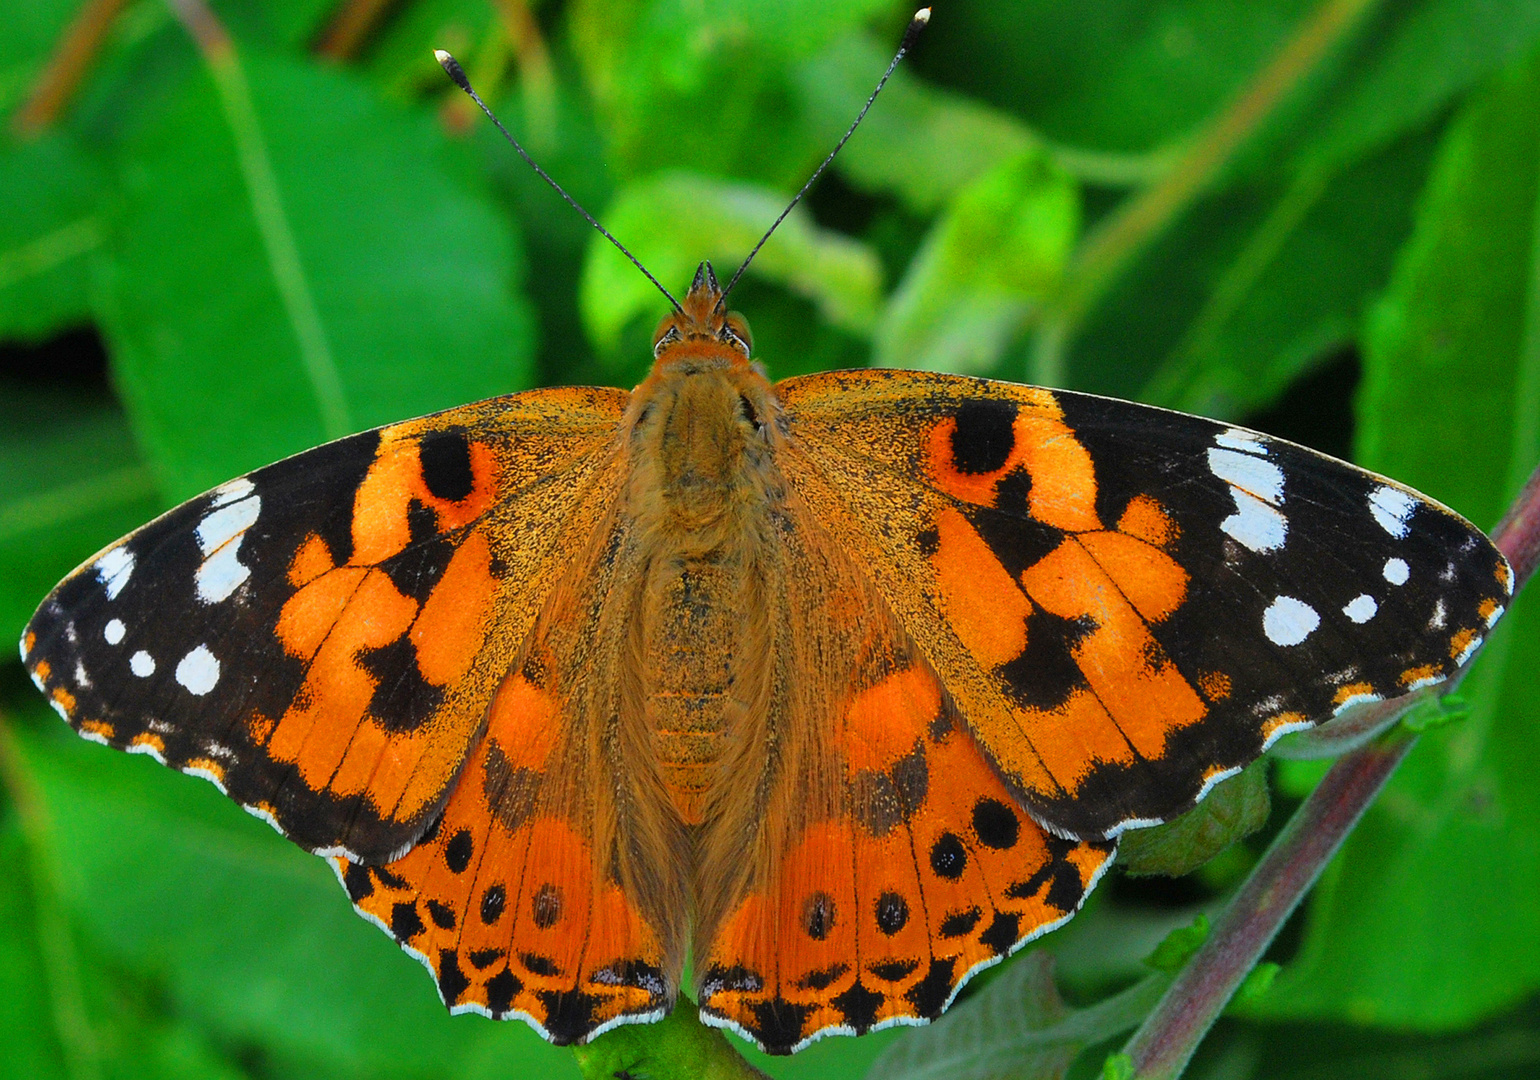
(1229, 206)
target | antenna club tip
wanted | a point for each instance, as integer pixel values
(922, 16)
(453, 69)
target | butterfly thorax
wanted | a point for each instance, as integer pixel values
(703, 492)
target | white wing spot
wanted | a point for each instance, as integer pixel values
(219, 537)
(81, 678)
(198, 671)
(114, 569)
(1396, 571)
(238, 488)
(142, 664)
(1238, 439)
(114, 631)
(1255, 475)
(1440, 616)
(1392, 508)
(1288, 621)
(1255, 525)
(221, 574)
(1361, 608)
(219, 527)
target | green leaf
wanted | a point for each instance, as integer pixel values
(998, 249)
(1413, 60)
(680, 1047)
(704, 87)
(1121, 75)
(298, 263)
(1017, 1027)
(921, 143)
(675, 220)
(251, 938)
(1118, 1067)
(1257, 983)
(70, 482)
(1172, 954)
(1296, 286)
(53, 220)
(1426, 919)
(1234, 810)
(1436, 712)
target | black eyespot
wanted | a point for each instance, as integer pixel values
(818, 915)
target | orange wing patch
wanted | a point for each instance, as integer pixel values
(878, 917)
(502, 900)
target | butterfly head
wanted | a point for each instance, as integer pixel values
(701, 327)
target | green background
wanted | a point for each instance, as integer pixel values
(1319, 218)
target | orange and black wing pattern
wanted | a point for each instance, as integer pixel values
(863, 860)
(322, 637)
(1129, 604)
(505, 901)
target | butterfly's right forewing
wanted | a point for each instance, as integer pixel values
(1130, 604)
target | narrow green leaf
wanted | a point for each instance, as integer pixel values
(1017, 1027)
(675, 220)
(398, 278)
(1234, 810)
(993, 255)
(1426, 919)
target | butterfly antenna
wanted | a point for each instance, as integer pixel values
(453, 69)
(916, 24)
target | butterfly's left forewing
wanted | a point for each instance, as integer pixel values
(322, 637)
(1130, 604)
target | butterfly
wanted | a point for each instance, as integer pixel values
(845, 684)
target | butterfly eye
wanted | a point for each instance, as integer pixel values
(665, 339)
(735, 332)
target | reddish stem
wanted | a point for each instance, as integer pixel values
(1167, 1039)
(67, 67)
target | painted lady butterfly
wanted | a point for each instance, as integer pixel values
(847, 684)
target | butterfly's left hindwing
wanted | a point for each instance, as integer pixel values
(321, 638)
(1130, 604)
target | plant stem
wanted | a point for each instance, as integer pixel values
(349, 28)
(1169, 1036)
(66, 68)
